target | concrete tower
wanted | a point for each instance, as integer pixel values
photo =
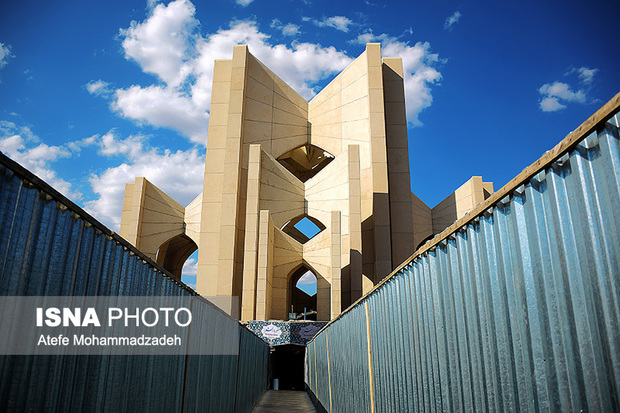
(277, 165)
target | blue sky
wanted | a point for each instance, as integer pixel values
(95, 93)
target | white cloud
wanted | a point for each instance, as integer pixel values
(562, 91)
(76, 146)
(243, 3)
(420, 74)
(586, 75)
(452, 20)
(179, 174)
(370, 37)
(160, 45)
(131, 147)
(337, 22)
(551, 104)
(556, 94)
(289, 29)
(5, 54)
(365, 38)
(164, 107)
(190, 268)
(307, 278)
(21, 145)
(99, 88)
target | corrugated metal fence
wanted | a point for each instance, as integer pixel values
(49, 246)
(514, 308)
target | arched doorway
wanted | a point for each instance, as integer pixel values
(173, 253)
(302, 294)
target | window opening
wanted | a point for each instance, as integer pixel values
(303, 228)
(305, 161)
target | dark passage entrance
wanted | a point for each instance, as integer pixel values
(287, 367)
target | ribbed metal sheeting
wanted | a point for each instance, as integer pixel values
(518, 310)
(49, 246)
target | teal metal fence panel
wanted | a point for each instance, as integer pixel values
(50, 247)
(518, 309)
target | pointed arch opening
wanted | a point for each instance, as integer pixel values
(173, 253)
(305, 161)
(302, 296)
(303, 228)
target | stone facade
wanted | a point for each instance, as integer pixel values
(339, 161)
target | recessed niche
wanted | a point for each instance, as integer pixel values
(303, 228)
(305, 161)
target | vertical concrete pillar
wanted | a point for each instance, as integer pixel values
(265, 266)
(355, 223)
(208, 250)
(398, 160)
(250, 260)
(378, 149)
(336, 287)
(232, 165)
(131, 219)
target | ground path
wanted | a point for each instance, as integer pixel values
(286, 401)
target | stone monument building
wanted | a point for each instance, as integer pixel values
(293, 187)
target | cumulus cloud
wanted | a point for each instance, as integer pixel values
(168, 45)
(21, 145)
(562, 91)
(551, 104)
(160, 45)
(5, 54)
(452, 20)
(420, 69)
(179, 174)
(164, 107)
(131, 147)
(337, 22)
(243, 3)
(289, 29)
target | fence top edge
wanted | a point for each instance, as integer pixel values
(28, 177)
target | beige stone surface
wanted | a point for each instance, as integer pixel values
(155, 224)
(460, 202)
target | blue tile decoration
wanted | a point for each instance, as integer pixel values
(285, 332)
